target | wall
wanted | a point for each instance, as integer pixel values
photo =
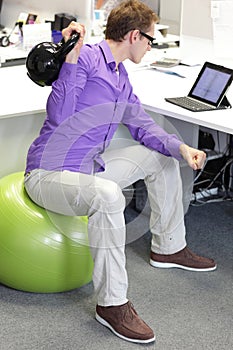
(170, 13)
(196, 18)
(154, 4)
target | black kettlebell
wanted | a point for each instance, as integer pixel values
(44, 61)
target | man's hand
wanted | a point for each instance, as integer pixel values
(73, 55)
(194, 157)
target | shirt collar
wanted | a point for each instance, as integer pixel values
(110, 59)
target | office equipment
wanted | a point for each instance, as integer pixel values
(35, 34)
(62, 20)
(208, 91)
(165, 62)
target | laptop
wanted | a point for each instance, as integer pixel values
(208, 91)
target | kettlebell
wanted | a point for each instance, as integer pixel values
(44, 61)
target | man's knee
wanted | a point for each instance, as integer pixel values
(111, 195)
(162, 163)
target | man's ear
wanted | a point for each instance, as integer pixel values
(134, 35)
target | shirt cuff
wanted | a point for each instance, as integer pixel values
(176, 149)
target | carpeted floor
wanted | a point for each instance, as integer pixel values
(187, 310)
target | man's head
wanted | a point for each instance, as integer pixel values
(128, 16)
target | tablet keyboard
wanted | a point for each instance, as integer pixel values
(190, 104)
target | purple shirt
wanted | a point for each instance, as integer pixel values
(87, 102)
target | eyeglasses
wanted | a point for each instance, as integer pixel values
(150, 38)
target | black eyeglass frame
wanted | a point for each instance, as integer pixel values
(150, 38)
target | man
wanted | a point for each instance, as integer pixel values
(71, 171)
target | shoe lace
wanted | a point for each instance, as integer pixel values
(129, 311)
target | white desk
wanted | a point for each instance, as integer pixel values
(23, 105)
(12, 52)
(152, 86)
(19, 95)
(159, 85)
(22, 112)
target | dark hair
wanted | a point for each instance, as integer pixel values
(127, 16)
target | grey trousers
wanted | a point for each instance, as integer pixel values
(100, 197)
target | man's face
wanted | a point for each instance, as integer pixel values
(141, 46)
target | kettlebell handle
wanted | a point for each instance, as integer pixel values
(66, 47)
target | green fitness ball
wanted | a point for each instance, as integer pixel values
(40, 251)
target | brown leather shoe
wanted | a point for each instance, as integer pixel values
(124, 322)
(184, 259)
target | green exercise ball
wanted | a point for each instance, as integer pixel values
(40, 251)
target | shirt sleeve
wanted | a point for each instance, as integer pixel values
(146, 131)
(67, 88)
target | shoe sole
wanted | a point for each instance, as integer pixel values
(173, 265)
(106, 324)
